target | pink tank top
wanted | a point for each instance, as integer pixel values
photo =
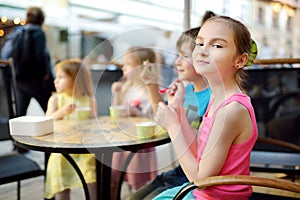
(238, 159)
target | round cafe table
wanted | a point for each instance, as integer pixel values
(100, 137)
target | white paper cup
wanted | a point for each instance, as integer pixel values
(114, 112)
(145, 130)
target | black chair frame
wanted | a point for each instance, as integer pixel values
(14, 167)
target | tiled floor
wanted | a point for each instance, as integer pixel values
(32, 189)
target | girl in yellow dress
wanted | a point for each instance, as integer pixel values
(74, 91)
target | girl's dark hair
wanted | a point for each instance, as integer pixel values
(208, 14)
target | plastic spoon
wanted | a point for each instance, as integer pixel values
(162, 91)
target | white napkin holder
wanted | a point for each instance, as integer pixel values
(31, 125)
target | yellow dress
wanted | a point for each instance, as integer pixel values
(60, 174)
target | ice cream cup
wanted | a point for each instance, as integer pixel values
(82, 112)
(145, 130)
(114, 112)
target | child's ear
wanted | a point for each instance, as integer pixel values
(241, 61)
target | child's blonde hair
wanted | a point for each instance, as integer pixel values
(80, 74)
(187, 36)
(138, 55)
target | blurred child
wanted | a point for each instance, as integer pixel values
(73, 100)
(132, 93)
(228, 130)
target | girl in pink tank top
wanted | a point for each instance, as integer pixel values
(228, 130)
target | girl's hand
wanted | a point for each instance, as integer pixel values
(150, 73)
(68, 108)
(175, 95)
(167, 117)
(116, 87)
(170, 116)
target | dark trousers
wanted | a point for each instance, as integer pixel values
(40, 90)
(162, 182)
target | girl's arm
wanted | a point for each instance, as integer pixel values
(94, 108)
(183, 139)
(53, 111)
(174, 120)
(175, 100)
(189, 133)
(116, 88)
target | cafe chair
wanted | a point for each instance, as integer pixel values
(275, 156)
(244, 180)
(269, 155)
(14, 167)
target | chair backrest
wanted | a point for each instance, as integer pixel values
(240, 180)
(275, 95)
(8, 103)
(284, 118)
(275, 156)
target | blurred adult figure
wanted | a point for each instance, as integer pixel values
(31, 59)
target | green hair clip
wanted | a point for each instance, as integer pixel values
(253, 53)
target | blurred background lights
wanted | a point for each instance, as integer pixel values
(3, 19)
(17, 20)
(1, 32)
